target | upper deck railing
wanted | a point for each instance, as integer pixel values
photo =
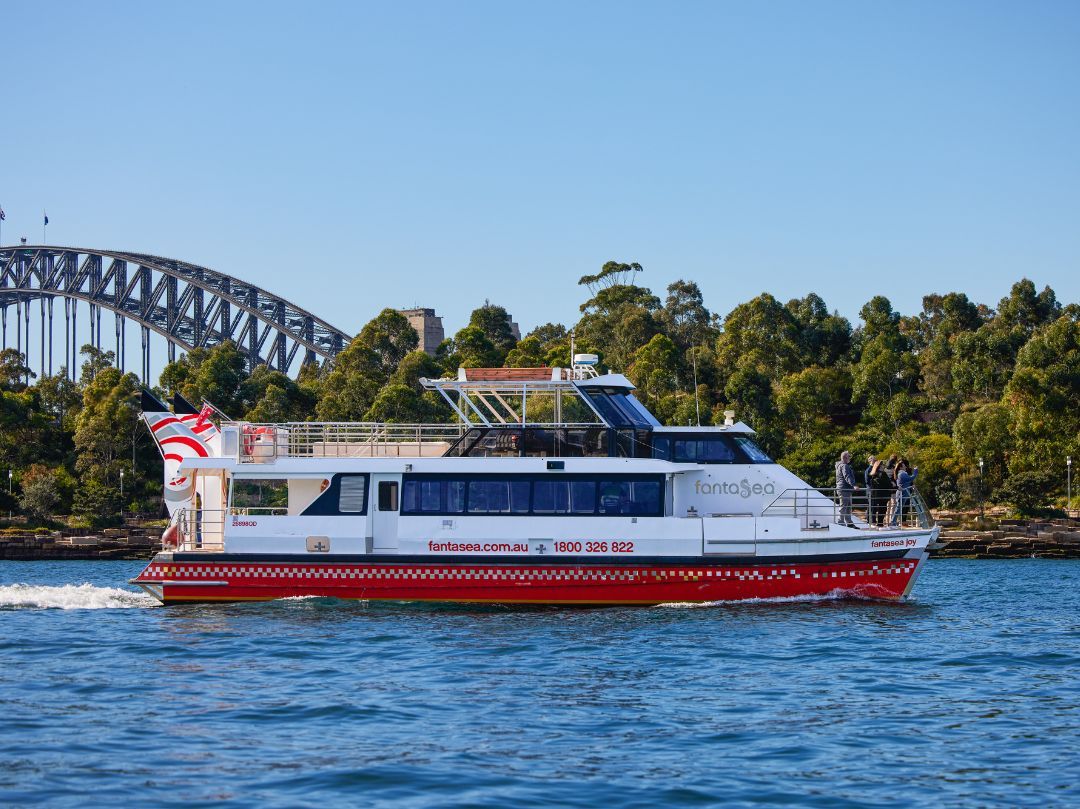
(264, 443)
(874, 508)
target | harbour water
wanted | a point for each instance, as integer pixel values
(967, 695)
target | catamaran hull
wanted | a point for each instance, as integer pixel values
(195, 577)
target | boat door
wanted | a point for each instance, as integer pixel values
(384, 522)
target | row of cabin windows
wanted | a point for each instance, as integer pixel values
(599, 442)
(606, 496)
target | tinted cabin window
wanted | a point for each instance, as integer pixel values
(423, 496)
(551, 497)
(690, 448)
(582, 497)
(629, 497)
(610, 495)
(705, 450)
(455, 496)
(388, 495)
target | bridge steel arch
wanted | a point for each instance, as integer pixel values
(190, 306)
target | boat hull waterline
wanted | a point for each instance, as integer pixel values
(193, 577)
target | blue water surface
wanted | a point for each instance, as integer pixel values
(967, 695)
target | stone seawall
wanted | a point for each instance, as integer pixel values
(1011, 539)
(111, 543)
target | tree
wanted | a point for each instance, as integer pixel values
(474, 349)
(939, 467)
(40, 492)
(405, 401)
(824, 339)
(13, 370)
(494, 322)
(653, 369)
(935, 332)
(749, 393)
(275, 397)
(616, 322)
(95, 361)
(982, 363)
(986, 433)
(390, 336)
(365, 366)
(760, 335)
(885, 366)
(528, 353)
(1043, 393)
(684, 316)
(215, 374)
(1024, 311)
(612, 274)
(105, 425)
(1027, 492)
(813, 401)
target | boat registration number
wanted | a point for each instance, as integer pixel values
(594, 547)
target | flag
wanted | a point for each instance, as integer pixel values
(46, 219)
(3, 216)
(204, 416)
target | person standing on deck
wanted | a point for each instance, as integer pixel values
(845, 487)
(867, 476)
(905, 478)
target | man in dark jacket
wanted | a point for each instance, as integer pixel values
(845, 487)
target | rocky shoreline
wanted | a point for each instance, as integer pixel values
(1009, 539)
(110, 543)
(999, 539)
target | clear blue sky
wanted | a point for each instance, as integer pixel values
(354, 156)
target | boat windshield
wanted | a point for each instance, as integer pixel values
(707, 448)
(618, 407)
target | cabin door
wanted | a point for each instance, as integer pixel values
(385, 504)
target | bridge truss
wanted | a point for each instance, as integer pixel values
(190, 306)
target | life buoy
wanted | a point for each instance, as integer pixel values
(251, 435)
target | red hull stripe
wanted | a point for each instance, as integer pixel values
(164, 423)
(549, 584)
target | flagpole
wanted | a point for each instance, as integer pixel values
(44, 224)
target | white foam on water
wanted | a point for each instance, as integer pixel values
(834, 595)
(71, 597)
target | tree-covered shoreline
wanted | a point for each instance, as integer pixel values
(957, 382)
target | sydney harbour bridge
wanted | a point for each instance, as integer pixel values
(187, 305)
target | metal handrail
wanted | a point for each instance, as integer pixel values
(260, 442)
(265, 442)
(873, 508)
(200, 529)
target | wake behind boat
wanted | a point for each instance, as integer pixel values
(556, 486)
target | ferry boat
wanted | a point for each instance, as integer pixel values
(554, 486)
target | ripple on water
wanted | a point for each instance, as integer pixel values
(964, 696)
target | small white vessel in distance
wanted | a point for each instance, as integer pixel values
(555, 486)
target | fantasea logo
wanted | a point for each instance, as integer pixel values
(744, 488)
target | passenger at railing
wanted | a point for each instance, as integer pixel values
(890, 473)
(845, 487)
(905, 479)
(879, 490)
